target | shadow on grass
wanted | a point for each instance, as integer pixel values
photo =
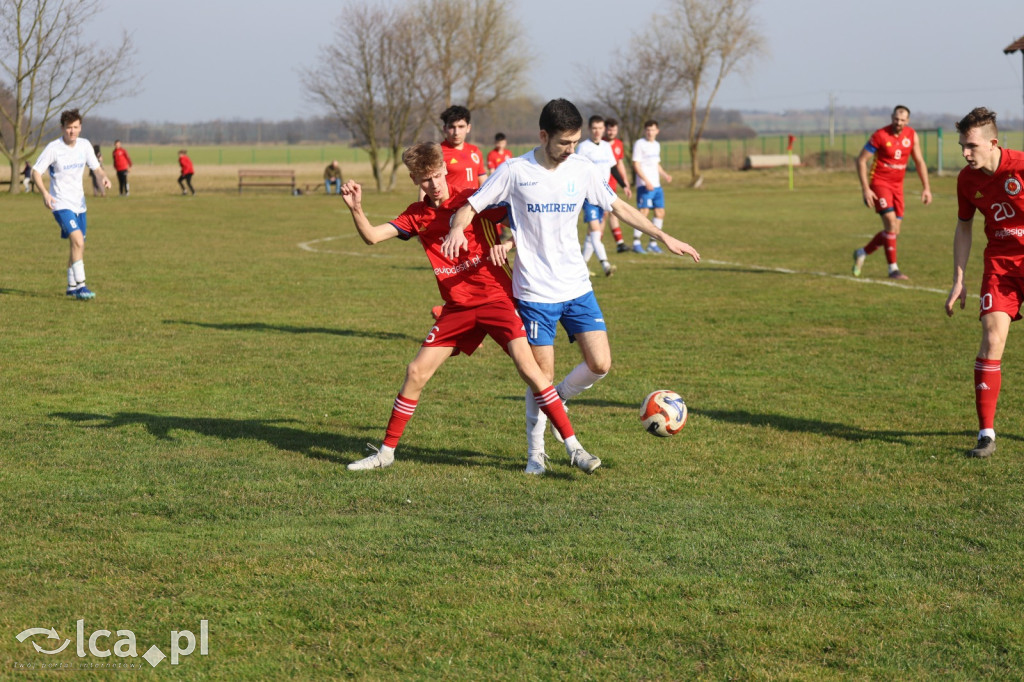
(834, 429)
(291, 329)
(330, 447)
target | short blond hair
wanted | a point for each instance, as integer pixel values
(422, 158)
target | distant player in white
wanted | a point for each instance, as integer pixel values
(544, 191)
(600, 153)
(649, 174)
(64, 160)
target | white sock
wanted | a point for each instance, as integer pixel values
(658, 222)
(71, 278)
(602, 255)
(588, 248)
(536, 421)
(571, 444)
(386, 454)
(78, 268)
(636, 236)
(893, 268)
(577, 381)
(991, 433)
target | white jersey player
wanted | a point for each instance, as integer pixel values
(544, 191)
(64, 161)
(601, 154)
(649, 174)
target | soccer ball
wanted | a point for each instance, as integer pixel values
(663, 413)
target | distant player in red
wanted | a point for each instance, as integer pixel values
(187, 171)
(611, 135)
(477, 295)
(122, 164)
(992, 184)
(465, 161)
(890, 146)
(500, 154)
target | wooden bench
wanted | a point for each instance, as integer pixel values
(266, 178)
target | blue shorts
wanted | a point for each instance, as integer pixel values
(591, 212)
(579, 315)
(650, 198)
(69, 221)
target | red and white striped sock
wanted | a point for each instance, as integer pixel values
(401, 413)
(551, 405)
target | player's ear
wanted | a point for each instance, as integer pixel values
(543, 138)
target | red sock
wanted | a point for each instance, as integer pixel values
(988, 377)
(401, 413)
(617, 233)
(553, 408)
(890, 248)
(876, 241)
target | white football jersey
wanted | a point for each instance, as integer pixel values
(66, 165)
(600, 154)
(648, 154)
(543, 206)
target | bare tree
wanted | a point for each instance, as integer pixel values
(376, 80)
(713, 38)
(638, 93)
(475, 48)
(47, 66)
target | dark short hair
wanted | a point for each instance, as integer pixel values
(978, 118)
(611, 122)
(595, 119)
(904, 108)
(453, 114)
(651, 122)
(69, 116)
(498, 137)
(560, 116)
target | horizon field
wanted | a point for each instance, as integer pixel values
(175, 450)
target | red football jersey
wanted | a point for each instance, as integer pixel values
(891, 154)
(496, 157)
(465, 166)
(619, 151)
(469, 280)
(999, 197)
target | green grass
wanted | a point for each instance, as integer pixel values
(175, 451)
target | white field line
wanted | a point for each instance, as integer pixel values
(313, 246)
(830, 275)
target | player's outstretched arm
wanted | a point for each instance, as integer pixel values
(961, 252)
(352, 194)
(456, 240)
(635, 219)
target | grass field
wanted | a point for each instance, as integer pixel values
(175, 451)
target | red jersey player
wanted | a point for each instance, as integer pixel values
(465, 162)
(890, 146)
(500, 154)
(993, 185)
(477, 295)
(611, 135)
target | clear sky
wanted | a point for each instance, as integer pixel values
(209, 59)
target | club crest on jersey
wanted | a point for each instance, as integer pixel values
(905, 141)
(571, 189)
(1012, 186)
(476, 159)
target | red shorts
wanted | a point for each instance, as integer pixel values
(889, 198)
(1002, 294)
(465, 328)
